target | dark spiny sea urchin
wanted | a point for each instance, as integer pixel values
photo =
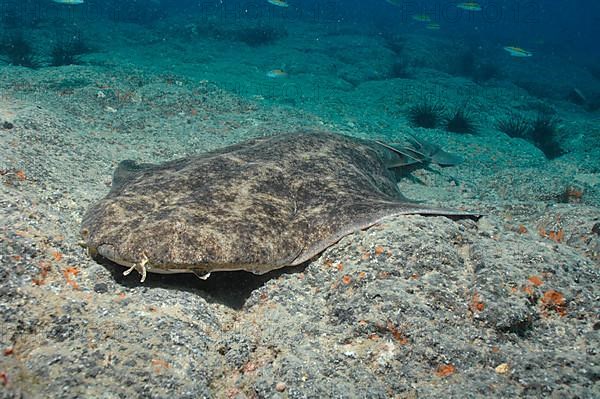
(426, 114)
(514, 126)
(543, 134)
(17, 51)
(461, 121)
(68, 52)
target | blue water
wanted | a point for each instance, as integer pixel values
(572, 26)
(349, 62)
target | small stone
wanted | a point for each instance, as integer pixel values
(502, 368)
(280, 387)
(100, 288)
(596, 228)
(93, 372)
(485, 227)
(7, 125)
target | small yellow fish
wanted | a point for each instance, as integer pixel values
(68, 1)
(277, 73)
(433, 26)
(517, 51)
(469, 6)
(422, 18)
(279, 3)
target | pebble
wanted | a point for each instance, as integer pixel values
(502, 368)
(280, 387)
(100, 288)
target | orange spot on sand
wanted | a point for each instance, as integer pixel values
(396, 333)
(44, 269)
(535, 280)
(69, 273)
(346, 279)
(57, 256)
(477, 304)
(379, 250)
(21, 175)
(573, 193)
(554, 300)
(528, 290)
(373, 337)
(556, 236)
(542, 232)
(249, 367)
(383, 274)
(159, 364)
(445, 370)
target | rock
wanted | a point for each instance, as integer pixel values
(502, 368)
(100, 288)
(280, 387)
